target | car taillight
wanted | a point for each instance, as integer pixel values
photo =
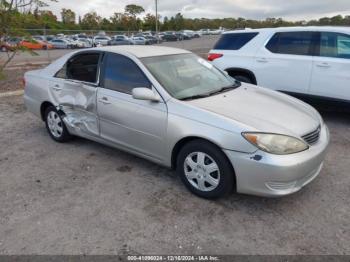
(213, 56)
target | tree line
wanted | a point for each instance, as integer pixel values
(133, 18)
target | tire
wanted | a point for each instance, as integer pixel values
(197, 178)
(56, 129)
(243, 78)
(4, 49)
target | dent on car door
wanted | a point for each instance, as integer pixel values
(74, 92)
(137, 125)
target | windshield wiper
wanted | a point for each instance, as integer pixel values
(225, 88)
(221, 90)
(194, 97)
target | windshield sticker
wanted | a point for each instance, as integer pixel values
(205, 63)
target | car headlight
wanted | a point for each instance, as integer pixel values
(275, 143)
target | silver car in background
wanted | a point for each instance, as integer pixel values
(176, 109)
(101, 40)
(61, 43)
(139, 40)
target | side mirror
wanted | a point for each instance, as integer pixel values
(144, 93)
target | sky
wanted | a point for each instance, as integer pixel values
(249, 9)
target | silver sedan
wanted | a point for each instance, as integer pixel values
(176, 109)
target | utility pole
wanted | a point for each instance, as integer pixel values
(157, 21)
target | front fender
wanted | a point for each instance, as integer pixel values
(181, 127)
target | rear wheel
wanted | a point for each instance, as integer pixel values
(55, 125)
(3, 49)
(205, 170)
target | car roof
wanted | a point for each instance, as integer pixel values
(144, 51)
(294, 28)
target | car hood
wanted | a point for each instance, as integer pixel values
(262, 109)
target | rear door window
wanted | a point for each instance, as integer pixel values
(234, 41)
(82, 67)
(293, 43)
(335, 45)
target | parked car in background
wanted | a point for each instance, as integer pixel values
(82, 36)
(9, 44)
(197, 34)
(176, 109)
(102, 40)
(120, 40)
(86, 43)
(160, 35)
(75, 43)
(5, 46)
(13, 41)
(39, 38)
(138, 40)
(169, 36)
(204, 31)
(215, 31)
(189, 33)
(151, 39)
(182, 36)
(147, 33)
(34, 44)
(61, 43)
(311, 62)
(139, 35)
(49, 38)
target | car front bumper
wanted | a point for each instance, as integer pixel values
(269, 175)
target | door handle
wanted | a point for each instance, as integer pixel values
(324, 65)
(104, 100)
(262, 60)
(57, 88)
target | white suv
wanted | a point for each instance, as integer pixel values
(312, 61)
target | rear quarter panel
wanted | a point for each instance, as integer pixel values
(243, 58)
(36, 91)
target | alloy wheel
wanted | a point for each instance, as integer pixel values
(55, 124)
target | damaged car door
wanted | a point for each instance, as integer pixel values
(74, 91)
(136, 125)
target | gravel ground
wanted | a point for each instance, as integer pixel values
(12, 81)
(86, 198)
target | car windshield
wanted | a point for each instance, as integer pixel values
(187, 76)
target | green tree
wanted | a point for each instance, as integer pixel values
(91, 21)
(68, 16)
(178, 22)
(106, 25)
(149, 22)
(134, 10)
(12, 13)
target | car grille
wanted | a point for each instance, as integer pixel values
(313, 137)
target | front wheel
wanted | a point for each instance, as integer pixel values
(205, 170)
(55, 125)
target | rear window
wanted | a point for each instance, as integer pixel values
(234, 41)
